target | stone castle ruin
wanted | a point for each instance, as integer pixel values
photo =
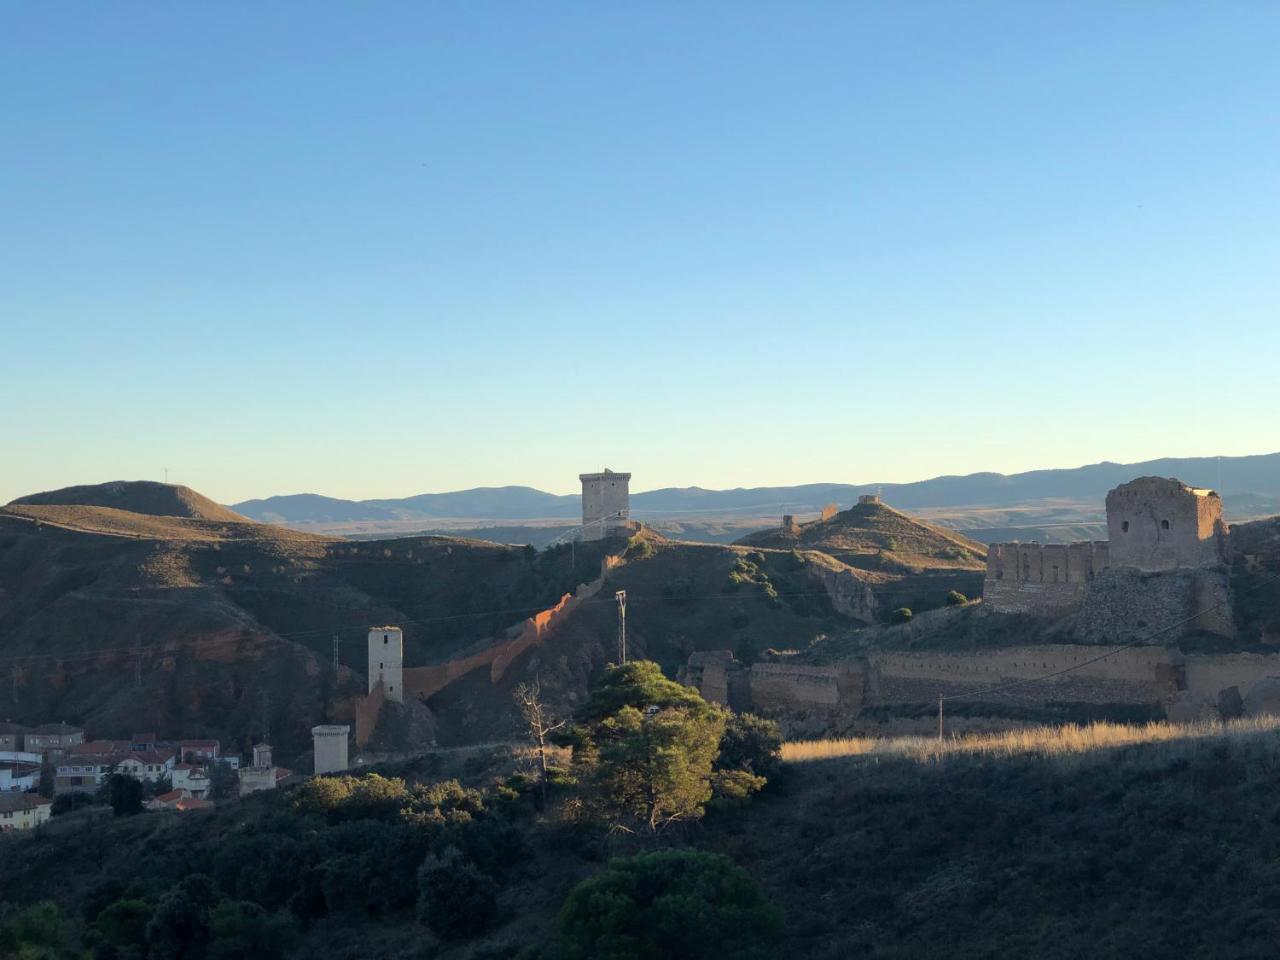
(606, 505)
(1162, 574)
(1156, 526)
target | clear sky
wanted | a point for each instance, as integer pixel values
(381, 249)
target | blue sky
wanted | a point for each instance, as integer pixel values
(381, 249)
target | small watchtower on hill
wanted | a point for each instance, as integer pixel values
(386, 661)
(606, 503)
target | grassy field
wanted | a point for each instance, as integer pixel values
(1045, 741)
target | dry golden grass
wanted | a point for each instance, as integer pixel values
(1044, 741)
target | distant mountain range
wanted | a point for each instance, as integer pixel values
(1250, 484)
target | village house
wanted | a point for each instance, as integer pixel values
(263, 774)
(191, 778)
(23, 811)
(11, 735)
(52, 737)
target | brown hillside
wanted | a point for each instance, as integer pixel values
(874, 536)
(137, 496)
(123, 621)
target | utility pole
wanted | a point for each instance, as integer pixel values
(939, 719)
(335, 654)
(266, 716)
(137, 664)
(621, 597)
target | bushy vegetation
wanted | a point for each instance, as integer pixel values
(1109, 840)
(679, 904)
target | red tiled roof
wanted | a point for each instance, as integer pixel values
(22, 801)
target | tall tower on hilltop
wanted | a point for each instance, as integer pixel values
(606, 503)
(1156, 523)
(386, 661)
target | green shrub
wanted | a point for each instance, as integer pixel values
(638, 548)
(674, 903)
(455, 899)
(901, 615)
(40, 932)
(125, 795)
(121, 924)
(243, 930)
(956, 599)
(751, 743)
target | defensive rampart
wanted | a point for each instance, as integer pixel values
(1044, 579)
(1183, 685)
(424, 682)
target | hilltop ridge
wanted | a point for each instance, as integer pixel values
(137, 496)
(874, 536)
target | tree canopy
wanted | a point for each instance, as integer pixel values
(669, 905)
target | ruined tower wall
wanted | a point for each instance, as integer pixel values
(1160, 524)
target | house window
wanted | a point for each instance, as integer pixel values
(386, 638)
(1124, 527)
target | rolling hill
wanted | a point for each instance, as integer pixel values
(874, 536)
(137, 496)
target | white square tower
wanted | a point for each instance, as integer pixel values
(330, 742)
(606, 503)
(386, 661)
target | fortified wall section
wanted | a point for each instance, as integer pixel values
(1185, 686)
(424, 682)
(1044, 579)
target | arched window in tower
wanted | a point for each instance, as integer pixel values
(1124, 527)
(1164, 524)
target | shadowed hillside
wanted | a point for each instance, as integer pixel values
(124, 621)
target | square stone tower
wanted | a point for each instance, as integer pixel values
(1162, 524)
(606, 503)
(386, 661)
(330, 741)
